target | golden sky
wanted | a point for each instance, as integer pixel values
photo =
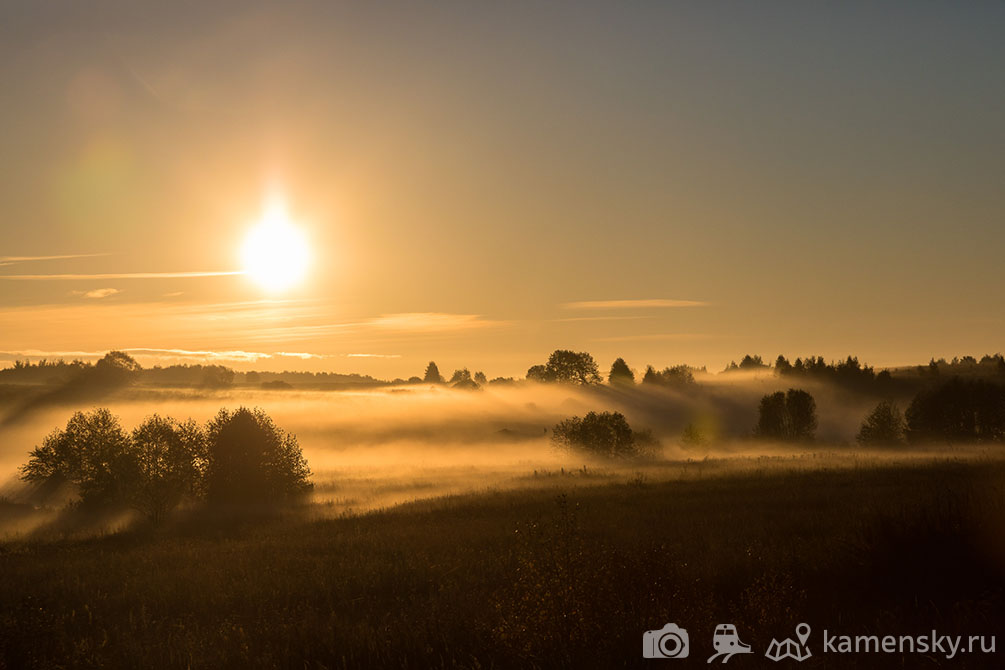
(479, 185)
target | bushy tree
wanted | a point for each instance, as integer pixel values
(251, 460)
(480, 378)
(432, 375)
(572, 367)
(678, 376)
(167, 460)
(538, 373)
(883, 427)
(92, 453)
(462, 375)
(958, 410)
(772, 417)
(802, 411)
(240, 457)
(621, 374)
(787, 416)
(603, 434)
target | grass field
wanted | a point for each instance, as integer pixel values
(562, 573)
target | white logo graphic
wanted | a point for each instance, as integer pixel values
(727, 643)
(789, 648)
(668, 642)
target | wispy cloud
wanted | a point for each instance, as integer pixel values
(97, 293)
(656, 337)
(238, 356)
(8, 260)
(205, 356)
(427, 322)
(633, 304)
(122, 275)
(607, 317)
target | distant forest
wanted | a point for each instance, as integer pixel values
(563, 366)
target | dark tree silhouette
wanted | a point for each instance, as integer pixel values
(802, 411)
(572, 367)
(92, 453)
(217, 376)
(748, 362)
(462, 375)
(167, 462)
(480, 378)
(621, 374)
(787, 416)
(678, 376)
(959, 410)
(782, 365)
(251, 460)
(603, 434)
(119, 362)
(772, 422)
(883, 427)
(432, 375)
(538, 373)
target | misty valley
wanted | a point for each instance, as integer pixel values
(538, 522)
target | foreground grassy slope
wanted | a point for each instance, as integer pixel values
(528, 578)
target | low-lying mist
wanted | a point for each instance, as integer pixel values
(376, 448)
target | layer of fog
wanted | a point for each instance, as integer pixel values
(378, 448)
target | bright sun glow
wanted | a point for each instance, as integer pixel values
(275, 252)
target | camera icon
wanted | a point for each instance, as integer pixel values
(668, 642)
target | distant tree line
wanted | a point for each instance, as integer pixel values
(127, 370)
(563, 366)
(956, 411)
(238, 457)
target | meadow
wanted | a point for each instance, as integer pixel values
(444, 530)
(567, 570)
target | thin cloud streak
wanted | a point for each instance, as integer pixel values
(430, 322)
(657, 337)
(8, 260)
(124, 275)
(609, 317)
(171, 354)
(97, 293)
(632, 304)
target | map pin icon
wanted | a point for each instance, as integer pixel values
(803, 633)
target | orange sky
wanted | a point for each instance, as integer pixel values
(482, 185)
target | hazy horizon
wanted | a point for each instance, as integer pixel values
(668, 183)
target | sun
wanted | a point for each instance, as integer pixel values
(276, 253)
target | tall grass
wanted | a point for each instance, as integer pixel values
(525, 578)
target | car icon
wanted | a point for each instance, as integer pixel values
(726, 642)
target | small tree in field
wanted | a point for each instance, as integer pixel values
(621, 374)
(167, 462)
(790, 416)
(252, 460)
(432, 375)
(802, 411)
(883, 427)
(92, 453)
(603, 434)
(570, 367)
